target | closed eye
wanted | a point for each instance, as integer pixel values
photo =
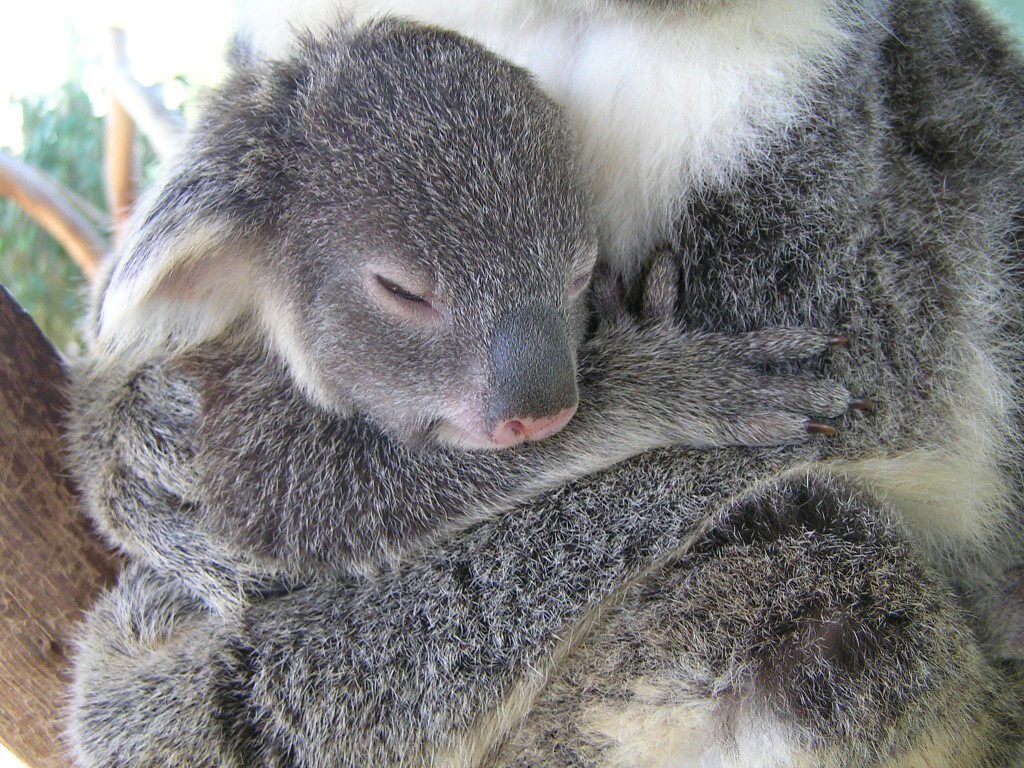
(400, 292)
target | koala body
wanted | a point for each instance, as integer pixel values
(840, 165)
(372, 256)
(677, 105)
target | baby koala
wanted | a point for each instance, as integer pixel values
(355, 317)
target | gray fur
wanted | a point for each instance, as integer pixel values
(778, 606)
(410, 152)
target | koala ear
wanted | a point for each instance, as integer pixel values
(188, 269)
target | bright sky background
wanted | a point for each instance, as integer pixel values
(7, 760)
(40, 41)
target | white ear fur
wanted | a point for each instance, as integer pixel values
(183, 280)
(174, 290)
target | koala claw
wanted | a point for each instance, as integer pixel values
(817, 428)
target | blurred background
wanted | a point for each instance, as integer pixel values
(55, 60)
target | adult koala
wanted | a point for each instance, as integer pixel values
(816, 162)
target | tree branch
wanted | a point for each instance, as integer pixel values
(51, 563)
(43, 199)
(164, 128)
(120, 168)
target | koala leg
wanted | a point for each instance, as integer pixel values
(802, 631)
(424, 664)
(154, 646)
(132, 441)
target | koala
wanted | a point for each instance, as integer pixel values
(353, 320)
(852, 602)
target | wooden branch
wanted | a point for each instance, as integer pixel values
(51, 564)
(120, 168)
(99, 219)
(43, 199)
(164, 128)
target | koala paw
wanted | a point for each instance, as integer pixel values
(750, 405)
(713, 389)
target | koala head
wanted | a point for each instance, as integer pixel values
(398, 213)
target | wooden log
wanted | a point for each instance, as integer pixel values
(51, 563)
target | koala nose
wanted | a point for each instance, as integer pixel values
(532, 389)
(514, 431)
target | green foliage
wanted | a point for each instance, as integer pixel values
(63, 138)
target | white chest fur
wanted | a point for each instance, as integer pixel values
(666, 103)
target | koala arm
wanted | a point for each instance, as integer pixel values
(284, 478)
(414, 666)
(215, 467)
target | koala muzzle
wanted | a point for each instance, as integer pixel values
(532, 392)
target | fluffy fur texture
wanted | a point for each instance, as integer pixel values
(246, 466)
(839, 604)
(327, 449)
(703, 87)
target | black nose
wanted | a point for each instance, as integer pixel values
(533, 374)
